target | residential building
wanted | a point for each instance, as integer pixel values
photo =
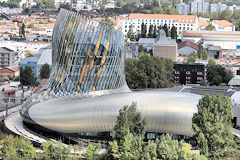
(7, 57)
(189, 73)
(46, 57)
(34, 47)
(181, 22)
(183, 9)
(187, 47)
(164, 46)
(30, 61)
(198, 6)
(18, 47)
(6, 73)
(223, 25)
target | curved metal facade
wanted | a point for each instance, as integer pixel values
(87, 56)
(87, 86)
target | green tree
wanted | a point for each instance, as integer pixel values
(210, 27)
(31, 25)
(205, 54)
(45, 71)
(167, 148)
(17, 148)
(192, 57)
(26, 76)
(131, 118)
(45, 4)
(128, 134)
(108, 21)
(174, 32)
(130, 33)
(216, 74)
(28, 54)
(150, 151)
(65, 6)
(155, 31)
(90, 152)
(200, 50)
(150, 31)
(212, 126)
(143, 30)
(149, 72)
(23, 29)
(165, 28)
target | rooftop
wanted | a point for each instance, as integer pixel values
(202, 23)
(161, 16)
(162, 40)
(202, 33)
(188, 43)
(223, 23)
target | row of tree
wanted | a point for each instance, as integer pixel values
(151, 32)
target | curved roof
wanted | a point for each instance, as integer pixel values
(165, 112)
(235, 81)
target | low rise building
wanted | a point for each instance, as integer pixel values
(30, 61)
(214, 52)
(202, 24)
(226, 40)
(164, 46)
(187, 47)
(223, 25)
(189, 73)
(9, 72)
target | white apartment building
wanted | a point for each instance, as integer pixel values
(181, 22)
(18, 47)
(198, 6)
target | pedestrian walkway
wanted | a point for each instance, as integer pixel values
(15, 124)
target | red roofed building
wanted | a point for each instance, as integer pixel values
(202, 24)
(223, 25)
(187, 47)
(181, 22)
(8, 72)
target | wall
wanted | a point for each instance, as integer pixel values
(165, 51)
(186, 50)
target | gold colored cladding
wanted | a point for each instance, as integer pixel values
(63, 33)
(84, 66)
(70, 26)
(69, 49)
(65, 44)
(102, 62)
(95, 52)
(61, 42)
